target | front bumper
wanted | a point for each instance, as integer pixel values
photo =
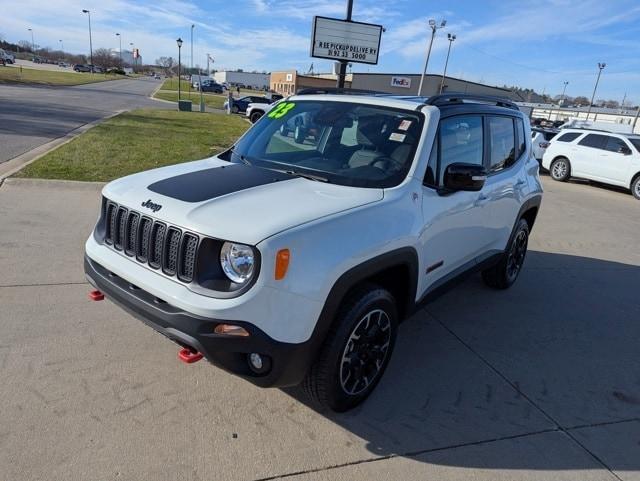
(289, 361)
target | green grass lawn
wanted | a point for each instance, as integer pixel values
(51, 77)
(215, 101)
(136, 141)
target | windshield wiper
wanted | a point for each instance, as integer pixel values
(242, 158)
(317, 178)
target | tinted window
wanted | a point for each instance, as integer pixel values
(522, 146)
(615, 144)
(594, 140)
(502, 143)
(549, 135)
(636, 143)
(569, 137)
(460, 141)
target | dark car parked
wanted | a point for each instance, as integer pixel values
(240, 105)
(81, 68)
(211, 87)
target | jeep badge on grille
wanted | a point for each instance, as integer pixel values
(150, 205)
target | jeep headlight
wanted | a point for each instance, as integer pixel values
(237, 261)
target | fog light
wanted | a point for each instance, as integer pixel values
(256, 361)
(259, 363)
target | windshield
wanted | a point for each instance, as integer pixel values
(636, 142)
(338, 142)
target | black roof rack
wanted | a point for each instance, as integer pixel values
(459, 98)
(337, 91)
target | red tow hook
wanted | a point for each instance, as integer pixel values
(189, 356)
(96, 295)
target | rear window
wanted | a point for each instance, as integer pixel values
(502, 142)
(569, 137)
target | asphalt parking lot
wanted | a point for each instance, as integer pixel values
(33, 115)
(541, 382)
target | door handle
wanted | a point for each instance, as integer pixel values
(520, 183)
(482, 199)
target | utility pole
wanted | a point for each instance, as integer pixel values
(433, 27)
(120, 49)
(564, 89)
(635, 121)
(623, 100)
(33, 44)
(451, 39)
(343, 63)
(600, 67)
(90, 40)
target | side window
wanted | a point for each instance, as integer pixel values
(594, 140)
(293, 136)
(614, 144)
(502, 143)
(348, 137)
(522, 146)
(569, 137)
(461, 140)
(432, 166)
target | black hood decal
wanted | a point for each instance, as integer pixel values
(211, 183)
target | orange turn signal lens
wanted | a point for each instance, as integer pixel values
(230, 330)
(282, 263)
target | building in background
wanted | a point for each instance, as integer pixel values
(408, 84)
(290, 81)
(127, 56)
(256, 80)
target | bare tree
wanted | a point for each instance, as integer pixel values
(103, 58)
(166, 63)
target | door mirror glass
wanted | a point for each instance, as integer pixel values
(460, 176)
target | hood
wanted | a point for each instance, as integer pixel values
(233, 202)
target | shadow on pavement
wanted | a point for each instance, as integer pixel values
(558, 351)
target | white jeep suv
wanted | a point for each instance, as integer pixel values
(293, 260)
(605, 157)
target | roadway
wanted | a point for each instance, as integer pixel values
(539, 382)
(34, 115)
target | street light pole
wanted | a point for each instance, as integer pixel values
(451, 38)
(433, 27)
(179, 42)
(33, 44)
(564, 89)
(191, 62)
(120, 49)
(61, 46)
(342, 73)
(90, 40)
(600, 67)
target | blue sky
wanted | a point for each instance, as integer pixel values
(537, 44)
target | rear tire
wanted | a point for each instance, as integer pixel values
(560, 169)
(635, 187)
(356, 351)
(505, 273)
(255, 117)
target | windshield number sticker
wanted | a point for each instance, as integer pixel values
(281, 110)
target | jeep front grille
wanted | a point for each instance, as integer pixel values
(151, 242)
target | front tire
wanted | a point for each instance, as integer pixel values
(635, 187)
(356, 351)
(560, 169)
(505, 273)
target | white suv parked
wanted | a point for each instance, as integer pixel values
(292, 258)
(605, 157)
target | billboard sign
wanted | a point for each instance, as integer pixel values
(403, 82)
(345, 40)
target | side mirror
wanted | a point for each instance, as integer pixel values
(460, 176)
(624, 150)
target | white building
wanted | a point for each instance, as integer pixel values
(248, 79)
(127, 56)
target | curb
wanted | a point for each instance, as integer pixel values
(16, 164)
(53, 183)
